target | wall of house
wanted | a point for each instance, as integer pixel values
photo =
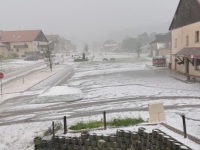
(21, 51)
(4, 51)
(180, 34)
(30, 50)
(153, 49)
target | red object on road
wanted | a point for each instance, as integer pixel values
(1, 75)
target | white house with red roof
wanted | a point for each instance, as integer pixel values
(24, 42)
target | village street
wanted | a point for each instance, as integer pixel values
(123, 88)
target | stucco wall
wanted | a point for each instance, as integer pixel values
(22, 52)
(4, 51)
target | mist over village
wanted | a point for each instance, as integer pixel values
(100, 75)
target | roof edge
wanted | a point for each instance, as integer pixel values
(174, 15)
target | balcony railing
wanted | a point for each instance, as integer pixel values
(20, 46)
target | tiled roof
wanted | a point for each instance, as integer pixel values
(54, 38)
(19, 36)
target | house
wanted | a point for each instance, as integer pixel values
(3, 50)
(161, 46)
(110, 45)
(185, 29)
(54, 42)
(59, 43)
(24, 43)
(69, 45)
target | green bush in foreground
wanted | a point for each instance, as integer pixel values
(115, 123)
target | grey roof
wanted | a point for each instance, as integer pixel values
(162, 38)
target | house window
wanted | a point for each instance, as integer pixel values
(17, 50)
(197, 64)
(197, 36)
(187, 40)
(175, 42)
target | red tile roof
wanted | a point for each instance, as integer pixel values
(19, 36)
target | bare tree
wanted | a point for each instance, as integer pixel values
(49, 57)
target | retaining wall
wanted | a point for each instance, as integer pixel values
(122, 140)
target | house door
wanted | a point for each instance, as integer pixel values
(186, 66)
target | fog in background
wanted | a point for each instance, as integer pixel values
(84, 21)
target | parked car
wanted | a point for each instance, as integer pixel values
(40, 57)
(31, 58)
(105, 59)
(111, 59)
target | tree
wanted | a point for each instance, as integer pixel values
(131, 44)
(49, 57)
(86, 48)
(138, 49)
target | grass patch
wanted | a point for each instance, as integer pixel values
(114, 123)
(125, 122)
(89, 125)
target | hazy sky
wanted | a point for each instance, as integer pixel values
(85, 20)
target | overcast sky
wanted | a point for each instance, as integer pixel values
(85, 20)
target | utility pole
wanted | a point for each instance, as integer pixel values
(93, 48)
(1, 61)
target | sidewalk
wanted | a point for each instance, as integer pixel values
(22, 84)
(175, 74)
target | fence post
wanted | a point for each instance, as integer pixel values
(184, 125)
(53, 135)
(65, 125)
(104, 120)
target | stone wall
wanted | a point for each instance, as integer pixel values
(122, 140)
